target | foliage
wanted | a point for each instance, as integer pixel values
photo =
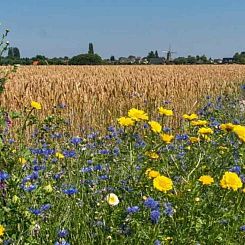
(128, 186)
(86, 59)
(91, 49)
(13, 53)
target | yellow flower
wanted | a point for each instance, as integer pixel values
(199, 123)
(126, 121)
(59, 155)
(15, 199)
(151, 174)
(227, 126)
(190, 117)
(231, 180)
(152, 154)
(2, 230)
(243, 190)
(205, 131)
(137, 115)
(163, 183)
(155, 126)
(167, 138)
(36, 105)
(165, 112)
(112, 199)
(240, 132)
(206, 180)
(48, 188)
(194, 140)
(22, 161)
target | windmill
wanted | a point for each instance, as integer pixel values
(169, 54)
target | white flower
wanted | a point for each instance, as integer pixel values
(112, 199)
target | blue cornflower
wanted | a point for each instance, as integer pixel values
(169, 211)
(97, 168)
(243, 87)
(41, 210)
(89, 161)
(62, 242)
(45, 207)
(242, 177)
(104, 151)
(58, 175)
(155, 216)
(86, 169)
(182, 137)
(116, 151)
(242, 228)
(151, 203)
(236, 169)
(70, 191)
(11, 141)
(3, 175)
(69, 153)
(76, 140)
(63, 233)
(157, 242)
(111, 129)
(132, 210)
(28, 187)
(103, 177)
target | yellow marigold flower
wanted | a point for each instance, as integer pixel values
(137, 115)
(240, 132)
(167, 138)
(163, 183)
(151, 174)
(155, 126)
(59, 155)
(36, 105)
(152, 154)
(112, 199)
(243, 190)
(2, 230)
(205, 131)
(227, 127)
(231, 180)
(206, 180)
(22, 161)
(194, 139)
(165, 112)
(126, 121)
(190, 117)
(199, 123)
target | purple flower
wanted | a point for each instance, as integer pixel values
(132, 210)
(151, 203)
(236, 169)
(70, 191)
(76, 140)
(242, 228)
(157, 242)
(155, 216)
(63, 233)
(169, 211)
(3, 175)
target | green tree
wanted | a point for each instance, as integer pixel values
(13, 53)
(90, 48)
(156, 54)
(86, 59)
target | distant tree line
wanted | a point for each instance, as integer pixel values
(91, 58)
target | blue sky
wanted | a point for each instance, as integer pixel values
(122, 28)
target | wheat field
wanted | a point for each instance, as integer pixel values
(96, 95)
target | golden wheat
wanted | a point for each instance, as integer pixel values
(95, 95)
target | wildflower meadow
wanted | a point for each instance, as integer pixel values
(141, 182)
